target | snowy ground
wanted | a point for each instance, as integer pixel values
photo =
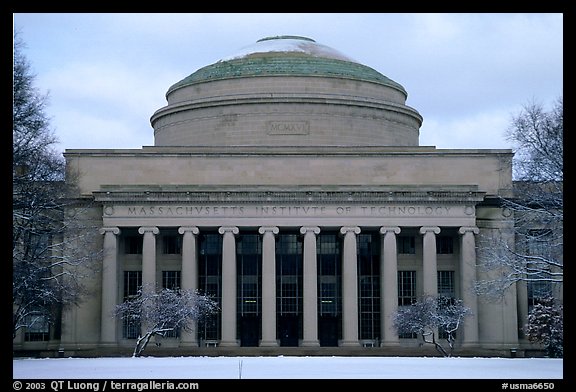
(204, 368)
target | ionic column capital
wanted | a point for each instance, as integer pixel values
(313, 229)
(148, 229)
(426, 229)
(389, 229)
(114, 230)
(228, 229)
(466, 229)
(268, 229)
(185, 229)
(350, 229)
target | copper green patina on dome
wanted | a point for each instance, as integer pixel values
(287, 56)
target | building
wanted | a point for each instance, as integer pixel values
(288, 181)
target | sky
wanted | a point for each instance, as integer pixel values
(288, 367)
(467, 74)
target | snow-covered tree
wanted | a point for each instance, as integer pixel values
(159, 312)
(535, 256)
(50, 255)
(545, 326)
(429, 315)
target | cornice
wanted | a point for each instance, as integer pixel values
(303, 195)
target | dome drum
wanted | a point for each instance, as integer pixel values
(291, 122)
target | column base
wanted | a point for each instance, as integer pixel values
(310, 343)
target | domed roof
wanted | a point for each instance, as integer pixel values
(286, 91)
(286, 55)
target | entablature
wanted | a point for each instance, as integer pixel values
(300, 195)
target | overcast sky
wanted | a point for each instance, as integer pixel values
(466, 74)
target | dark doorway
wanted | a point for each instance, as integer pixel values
(328, 331)
(249, 327)
(288, 330)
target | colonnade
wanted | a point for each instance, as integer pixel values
(388, 279)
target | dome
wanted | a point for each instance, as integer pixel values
(286, 90)
(286, 55)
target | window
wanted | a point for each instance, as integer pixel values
(132, 284)
(538, 291)
(446, 289)
(329, 274)
(406, 294)
(133, 245)
(37, 327)
(289, 288)
(210, 280)
(248, 259)
(369, 285)
(539, 244)
(446, 284)
(172, 245)
(406, 288)
(406, 244)
(171, 280)
(444, 245)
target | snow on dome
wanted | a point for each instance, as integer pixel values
(289, 43)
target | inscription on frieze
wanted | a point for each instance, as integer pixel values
(287, 127)
(284, 210)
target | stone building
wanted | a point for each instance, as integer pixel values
(288, 181)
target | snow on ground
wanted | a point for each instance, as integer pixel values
(282, 367)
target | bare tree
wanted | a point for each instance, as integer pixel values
(535, 255)
(159, 312)
(429, 315)
(46, 258)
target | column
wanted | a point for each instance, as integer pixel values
(148, 263)
(350, 287)
(388, 286)
(268, 286)
(228, 286)
(429, 260)
(467, 280)
(188, 338)
(310, 287)
(109, 285)
(149, 257)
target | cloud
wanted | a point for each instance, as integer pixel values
(482, 130)
(458, 69)
(79, 129)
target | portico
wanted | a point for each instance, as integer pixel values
(345, 214)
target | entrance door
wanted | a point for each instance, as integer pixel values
(288, 330)
(328, 331)
(249, 330)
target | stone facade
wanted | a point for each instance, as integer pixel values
(318, 172)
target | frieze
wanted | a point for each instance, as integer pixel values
(263, 211)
